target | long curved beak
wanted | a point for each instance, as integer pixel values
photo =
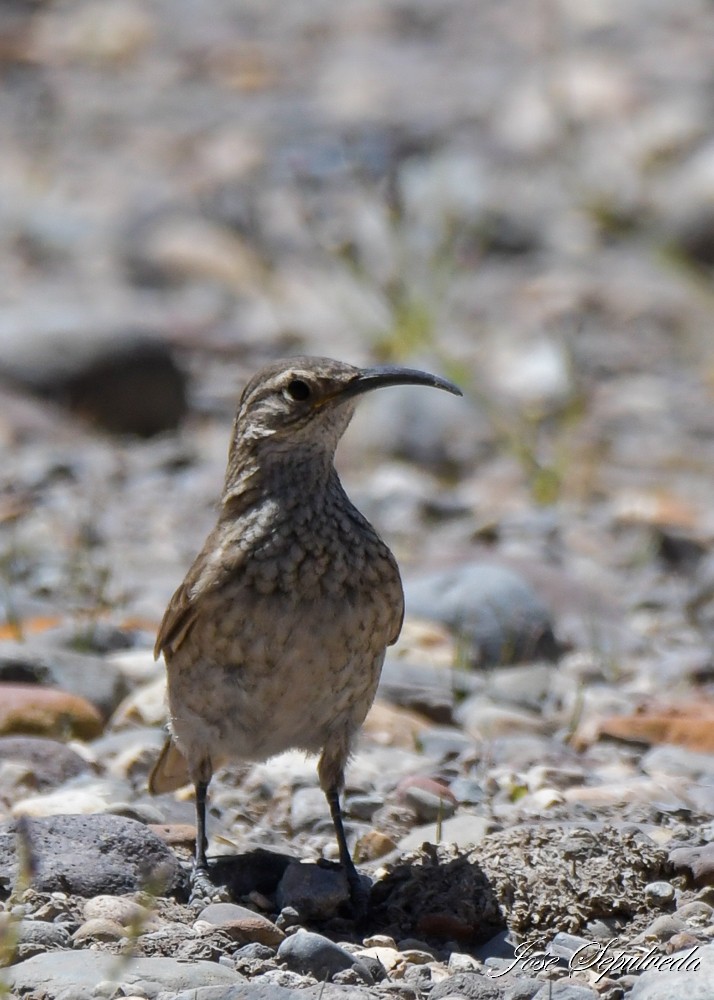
(382, 376)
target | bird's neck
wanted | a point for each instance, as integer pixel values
(295, 479)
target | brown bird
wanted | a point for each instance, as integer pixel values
(276, 637)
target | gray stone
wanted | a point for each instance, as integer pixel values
(428, 807)
(430, 690)
(669, 759)
(316, 892)
(308, 807)
(471, 986)
(692, 977)
(442, 742)
(699, 861)
(272, 991)
(494, 609)
(56, 973)
(522, 989)
(464, 830)
(565, 990)
(90, 855)
(566, 945)
(39, 936)
(659, 893)
(50, 762)
(92, 677)
(315, 955)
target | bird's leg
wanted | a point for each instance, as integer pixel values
(202, 885)
(357, 890)
(201, 861)
(331, 771)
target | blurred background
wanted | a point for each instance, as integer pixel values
(518, 196)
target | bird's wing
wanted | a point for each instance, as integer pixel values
(177, 622)
(217, 561)
(170, 770)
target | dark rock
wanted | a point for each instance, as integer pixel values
(315, 891)
(494, 609)
(315, 955)
(255, 871)
(52, 763)
(127, 381)
(89, 855)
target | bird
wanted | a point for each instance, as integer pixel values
(276, 637)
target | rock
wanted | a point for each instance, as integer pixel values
(659, 893)
(673, 760)
(372, 845)
(83, 795)
(35, 710)
(90, 855)
(91, 677)
(687, 974)
(465, 830)
(430, 800)
(445, 742)
(316, 892)
(98, 929)
(173, 247)
(430, 690)
(483, 719)
(698, 861)
(690, 725)
(663, 927)
(77, 973)
(394, 727)
(491, 607)
(267, 989)
(470, 986)
(315, 955)
(563, 989)
(38, 936)
(433, 434)
(145, 706)
(127, 381)
(49, 763)
(122, 909)
(241, 924)
(697, 913)
(308, 807)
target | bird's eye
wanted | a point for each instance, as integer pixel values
(297, 390)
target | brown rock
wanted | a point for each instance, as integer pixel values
(43, 711)
(175, 834)
(689, 725)
(240, 923)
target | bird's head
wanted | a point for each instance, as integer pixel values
(299, 408)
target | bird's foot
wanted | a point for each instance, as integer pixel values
(204, 889)
(360, 887)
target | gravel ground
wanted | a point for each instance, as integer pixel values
(516, 196)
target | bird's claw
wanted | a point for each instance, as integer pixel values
(204, 890)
